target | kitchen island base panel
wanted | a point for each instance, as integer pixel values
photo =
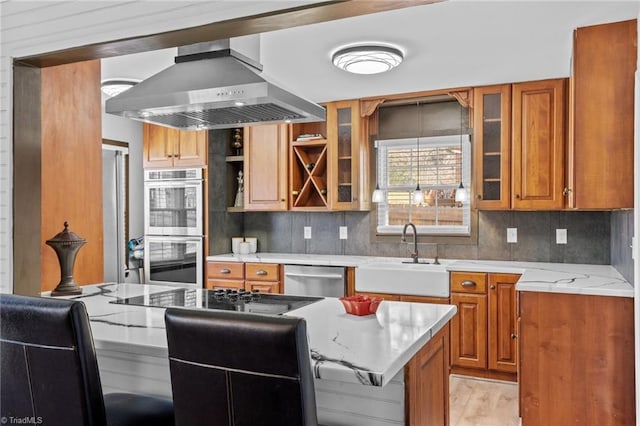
(135, 373)
(341, 403)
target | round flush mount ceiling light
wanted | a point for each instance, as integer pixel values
(115, 86)
(367, 59)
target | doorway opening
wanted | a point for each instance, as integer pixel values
(115, 205)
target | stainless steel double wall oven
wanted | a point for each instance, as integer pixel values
(174, 231)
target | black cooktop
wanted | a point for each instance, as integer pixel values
(221, 299)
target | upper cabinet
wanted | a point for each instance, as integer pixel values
(519, 146)
(165, 147)
(344, 136)
(492, 146)
(538, 140)
(527, 156)
(265, 167)
(328, 161)
(602, 105)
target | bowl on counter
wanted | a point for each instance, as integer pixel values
(360, 305)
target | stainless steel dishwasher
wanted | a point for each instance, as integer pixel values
(304, 280)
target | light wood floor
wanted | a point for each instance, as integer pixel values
(480, 402)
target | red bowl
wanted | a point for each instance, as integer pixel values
(360, 305)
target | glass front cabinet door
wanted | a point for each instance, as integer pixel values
(344, 136)
(492, 118)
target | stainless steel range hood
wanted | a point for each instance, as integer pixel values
(210, 87)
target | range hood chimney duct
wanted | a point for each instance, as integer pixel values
(212, 86)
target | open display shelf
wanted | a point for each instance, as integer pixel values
(235, 163)
(309, 174)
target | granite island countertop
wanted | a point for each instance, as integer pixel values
(367, 350)
(586, 279)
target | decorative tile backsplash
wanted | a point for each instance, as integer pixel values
(588, 241)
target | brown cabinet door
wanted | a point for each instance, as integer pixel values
(537, 156)
(601, 144)
(502, 323)
(157, 146)
(164, 147)
(491, 153)
(190, 149)
(265, 167)
(469, 331)
(577, 359)
(343, 136)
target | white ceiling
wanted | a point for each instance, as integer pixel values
(446, 45)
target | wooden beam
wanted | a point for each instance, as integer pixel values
(247, 25)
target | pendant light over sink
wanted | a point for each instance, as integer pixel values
(461, 192)
(418, 195)
(378, 195)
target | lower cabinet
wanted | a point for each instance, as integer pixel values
(264, 277)
(483, 332)
(577, 362)
(502, 340)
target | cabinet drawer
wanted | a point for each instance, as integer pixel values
(215, 283)
(225, 270)
(468, 282)
(262, 271)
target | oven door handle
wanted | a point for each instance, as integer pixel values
(330, 276)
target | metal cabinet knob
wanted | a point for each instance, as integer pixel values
(261, 272)
(514, 336)
(493, 287)
(479, 196)
(225, 271)
(518, 196)
(468, 283)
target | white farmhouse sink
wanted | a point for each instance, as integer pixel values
(395, 277)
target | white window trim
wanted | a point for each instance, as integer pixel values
(433, 141)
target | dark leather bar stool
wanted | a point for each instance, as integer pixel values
(49, 369)
(231, 368)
